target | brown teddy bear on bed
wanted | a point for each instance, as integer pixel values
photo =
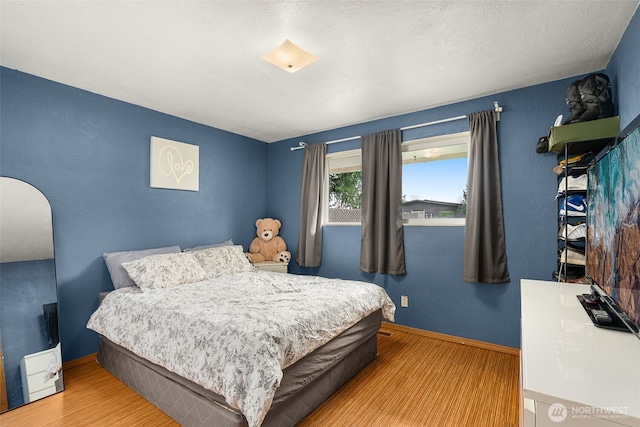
(268, 246)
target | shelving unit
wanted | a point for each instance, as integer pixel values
(568, 141)
(564, 264)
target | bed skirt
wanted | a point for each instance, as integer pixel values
(304, 385)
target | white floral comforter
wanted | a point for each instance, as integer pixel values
(236, 333)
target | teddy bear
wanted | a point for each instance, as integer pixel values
(268, 246)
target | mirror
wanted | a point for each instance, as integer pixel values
(29, 342)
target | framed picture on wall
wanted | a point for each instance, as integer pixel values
(174, 164)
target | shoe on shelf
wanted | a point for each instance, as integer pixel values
(543, 145)
(580, 161)
(572, 256)
(575, 205)
(559, 277)
(573, 183)
(573, 232)
(568, 273)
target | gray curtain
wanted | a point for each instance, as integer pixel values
(309, 252)
(484, 254)
(382, 244)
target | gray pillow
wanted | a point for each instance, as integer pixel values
(215, 245)
(114, 261)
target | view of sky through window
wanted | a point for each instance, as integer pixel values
(443, 180)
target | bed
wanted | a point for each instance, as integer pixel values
(212, 341)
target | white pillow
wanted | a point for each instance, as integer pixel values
(223, 260)
(114, 261)
(165, 270)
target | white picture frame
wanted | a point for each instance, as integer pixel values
(174, 165)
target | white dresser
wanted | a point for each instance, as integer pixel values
(32, 370)
(573, 373)
(278, 267)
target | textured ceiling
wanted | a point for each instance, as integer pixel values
(200, 60)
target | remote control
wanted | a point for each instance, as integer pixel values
(601, 316)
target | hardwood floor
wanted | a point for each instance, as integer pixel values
(415, 381)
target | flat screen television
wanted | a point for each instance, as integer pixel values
(613, 226)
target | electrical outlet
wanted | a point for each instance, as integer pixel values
(404, 301)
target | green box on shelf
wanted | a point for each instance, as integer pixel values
(594, 130)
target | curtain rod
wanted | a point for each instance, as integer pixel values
(496, 107)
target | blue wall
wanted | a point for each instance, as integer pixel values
(26, 286)
(89, 155)
(624, 71)
(439, 300)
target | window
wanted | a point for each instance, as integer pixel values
(434, 179)
(343, 188)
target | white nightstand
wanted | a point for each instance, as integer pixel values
(32, 369)
(278, 267)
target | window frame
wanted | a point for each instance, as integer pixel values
(354, 158)
(434, 142)
(351, 157)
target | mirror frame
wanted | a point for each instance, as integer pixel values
(23, 241)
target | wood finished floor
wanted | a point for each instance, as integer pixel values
(415, 381)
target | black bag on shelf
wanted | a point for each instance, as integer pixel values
(574, 102)
(589, 99)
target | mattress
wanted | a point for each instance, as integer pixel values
(305, 384)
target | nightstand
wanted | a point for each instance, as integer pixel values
(278, 267)
(32, 369)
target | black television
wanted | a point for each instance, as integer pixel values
(613, 228)
(50, 311)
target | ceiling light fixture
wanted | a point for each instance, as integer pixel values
(289, 57)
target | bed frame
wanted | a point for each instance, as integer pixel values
(305, 384)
